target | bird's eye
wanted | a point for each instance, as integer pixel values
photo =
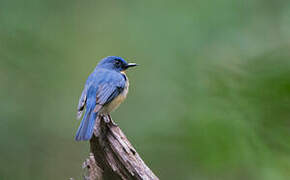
(118, 63)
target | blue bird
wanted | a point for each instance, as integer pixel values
(105, 89)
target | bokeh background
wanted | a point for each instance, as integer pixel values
(211, 99)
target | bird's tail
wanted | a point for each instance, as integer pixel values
(86, 128)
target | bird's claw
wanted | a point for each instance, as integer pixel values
(108, 119)
(114, 124)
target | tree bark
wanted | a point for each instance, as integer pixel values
(113, 157)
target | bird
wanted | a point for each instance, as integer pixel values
(105, 89)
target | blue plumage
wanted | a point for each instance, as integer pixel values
(105, 89)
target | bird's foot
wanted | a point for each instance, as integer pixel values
(112, 122)
(106, 119)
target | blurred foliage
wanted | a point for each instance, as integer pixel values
(211, 99)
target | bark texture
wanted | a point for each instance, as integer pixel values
(113, 157)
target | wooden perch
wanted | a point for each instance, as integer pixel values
(113, 157)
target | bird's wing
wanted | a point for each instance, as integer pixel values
(110, 88)
(84, 96)
(82, 103)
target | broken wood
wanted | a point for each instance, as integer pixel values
(113, 157)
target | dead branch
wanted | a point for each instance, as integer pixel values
(113, 157)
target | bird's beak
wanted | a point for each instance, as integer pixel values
(131, 65)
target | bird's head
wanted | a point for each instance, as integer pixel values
(115, 63)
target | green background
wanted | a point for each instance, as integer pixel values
(211, 99)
